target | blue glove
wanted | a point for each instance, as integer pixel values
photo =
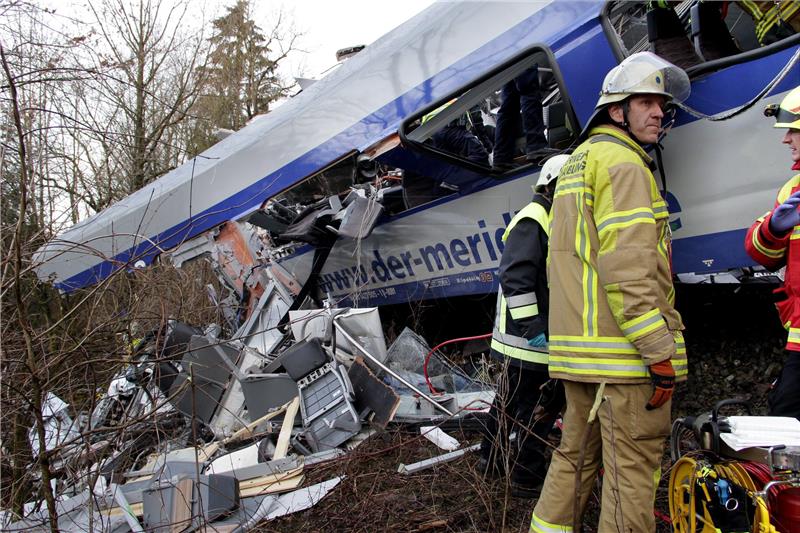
(785, 216)
(539, 341)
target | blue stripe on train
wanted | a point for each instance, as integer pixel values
(702, 254)
(726, 86)
(714, 252)
(362, 134)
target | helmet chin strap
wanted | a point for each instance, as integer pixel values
(625, 125)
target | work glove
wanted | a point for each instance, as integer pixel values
(539, 341)
(663, 377)
(785, 216)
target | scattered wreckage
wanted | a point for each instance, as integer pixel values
(257, 421)
(201, 430)
(293, 368)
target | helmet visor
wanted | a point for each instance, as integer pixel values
(646, 73)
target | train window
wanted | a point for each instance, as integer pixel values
(339, 196)
(512, 117)
(336, 179)
(693, 32)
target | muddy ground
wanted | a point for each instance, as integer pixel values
(735, 350)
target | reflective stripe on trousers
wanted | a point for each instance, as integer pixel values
(626, 438)
(540, 526)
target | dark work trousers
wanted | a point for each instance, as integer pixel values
(520, 114)
(518, 395)
(784, 398)
(457, 140)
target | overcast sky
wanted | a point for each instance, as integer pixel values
(326, 25)
(334, 24)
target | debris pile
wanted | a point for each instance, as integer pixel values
(203, 430)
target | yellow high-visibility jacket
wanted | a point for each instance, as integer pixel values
(611, 295)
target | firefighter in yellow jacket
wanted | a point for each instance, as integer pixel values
(615, 336)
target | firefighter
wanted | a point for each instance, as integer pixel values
(774, 20)
(615, 336)
(771, 241)
(519, 341)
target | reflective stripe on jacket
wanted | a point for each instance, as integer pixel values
(776, 251)
(522, 299)
(768, 16)
(610, 267)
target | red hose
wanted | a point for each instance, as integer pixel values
(428, 357)
(761, 475)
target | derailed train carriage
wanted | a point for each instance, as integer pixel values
(340, 195)
(422, 222)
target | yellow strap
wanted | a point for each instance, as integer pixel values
(540, 526)
(625, 219)
(774, 253)
(598, 399)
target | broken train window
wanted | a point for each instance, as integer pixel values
(514, 116)
(338, 200)
(691, 32)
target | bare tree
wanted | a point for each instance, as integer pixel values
(90, 112)
(147, 83)
(16, 284)
(76, 117)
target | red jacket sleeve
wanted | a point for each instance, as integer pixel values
(766, 248)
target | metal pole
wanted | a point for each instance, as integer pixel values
(433, 461)
(389, 370)
(122, 501)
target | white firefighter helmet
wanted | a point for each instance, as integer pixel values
(641, 73)
(644, 73)
(550, 171)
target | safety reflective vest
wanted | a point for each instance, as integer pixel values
(611, 291)
(507, 339)
(776, 251)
